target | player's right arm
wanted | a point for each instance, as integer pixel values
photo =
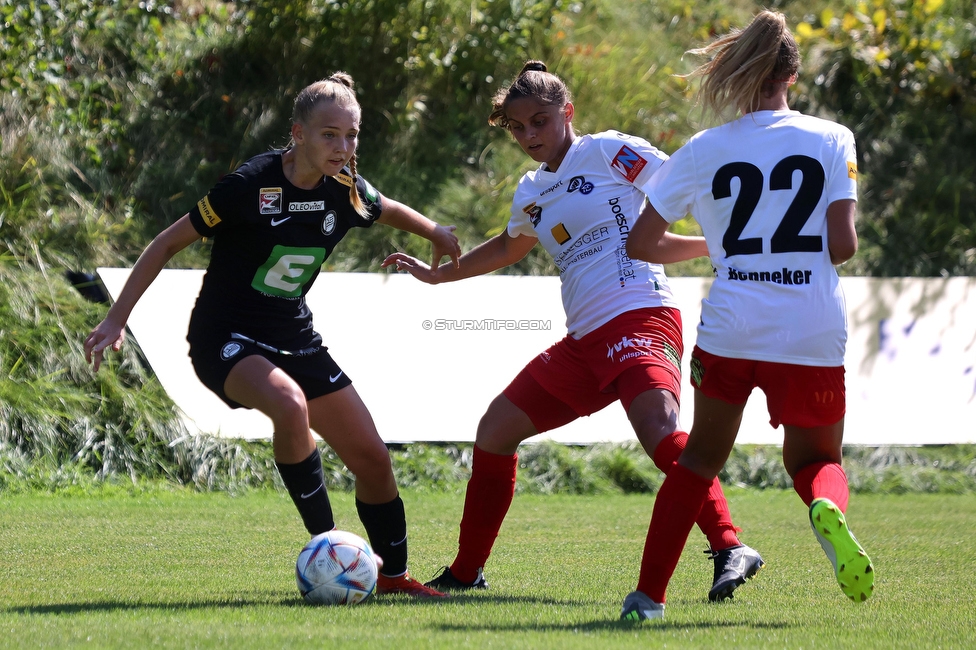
(111, 331)
(841, 234)
(498, 252)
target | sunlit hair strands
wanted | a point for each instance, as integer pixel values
(746, 64)
(534, 81)
(337, 88)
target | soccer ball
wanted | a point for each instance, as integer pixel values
(336, 568)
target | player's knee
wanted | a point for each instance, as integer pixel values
(290, 410)
(503, 427)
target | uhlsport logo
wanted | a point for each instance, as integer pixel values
(641, 347)
(269, 200)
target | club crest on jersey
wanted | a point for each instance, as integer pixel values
(579, 183)
(535, 213)
(629, 163)
(230, 350)
(269, 200)
(329, 223)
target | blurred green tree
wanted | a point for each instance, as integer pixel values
(901, 75)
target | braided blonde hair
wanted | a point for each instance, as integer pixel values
(746, 65)
(336, 88)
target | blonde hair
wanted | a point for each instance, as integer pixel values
(746, 65)
(533, 81)
(336, 88)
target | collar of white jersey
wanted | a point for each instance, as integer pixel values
(573, 148)
(765, 118)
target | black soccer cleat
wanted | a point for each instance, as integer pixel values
(447, 582)
(733, 566)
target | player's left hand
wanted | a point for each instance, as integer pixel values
(444, 242)
(411, 265)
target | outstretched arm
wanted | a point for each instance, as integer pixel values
(496, 253)
(650, 241)
(442, 238)
(111, 331)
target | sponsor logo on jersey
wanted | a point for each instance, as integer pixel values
(329, 222)
(852, 170)
(550, 189)
(546, 357)
(579, 183)
(786, 276)
(207, 212)
(306, 206)
(629, 163)
(535, 213)
(230, 350)
(278, 222)
(371, 193)
(625, 265)
(560, 234)
(269, 200)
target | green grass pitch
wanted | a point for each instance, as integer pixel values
(175, 569)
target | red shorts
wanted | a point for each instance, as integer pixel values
(635, 352)
(800, 396)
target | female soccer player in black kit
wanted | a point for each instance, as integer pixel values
(273, 222)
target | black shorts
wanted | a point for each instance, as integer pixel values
(313, 369)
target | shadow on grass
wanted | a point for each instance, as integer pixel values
(262, 600)
(129, 605)
(610, 624)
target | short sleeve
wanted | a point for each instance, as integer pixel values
(671, 191)
(370, 197)
(520, 223)
(842, 177)
(222, 205)
(631, 159)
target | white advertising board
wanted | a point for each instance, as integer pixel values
(427, 360)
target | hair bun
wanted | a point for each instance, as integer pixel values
(533, 66)
(343, 78)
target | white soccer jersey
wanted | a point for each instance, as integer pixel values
(582, 214)
(759, 187)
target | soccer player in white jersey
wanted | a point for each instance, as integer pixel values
(775, 193)
(624, 329)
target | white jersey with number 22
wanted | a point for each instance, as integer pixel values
(759, 188)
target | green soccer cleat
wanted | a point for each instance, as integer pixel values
(852, 566)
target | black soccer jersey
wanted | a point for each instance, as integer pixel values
(269, 241)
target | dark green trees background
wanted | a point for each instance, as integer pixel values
(117, 116)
